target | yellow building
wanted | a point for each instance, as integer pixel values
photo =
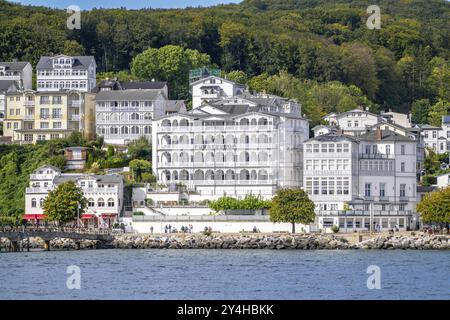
(37, 116)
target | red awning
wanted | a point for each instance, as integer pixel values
(34, 216)
(87, 216)
(109, 215)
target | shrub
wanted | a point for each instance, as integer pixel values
(138, 213)
(335, 228)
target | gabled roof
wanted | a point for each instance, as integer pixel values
(334, 137)
(340, 115)
(48, 166)
(14, 66)
(386, 135)
(137, 95)
(214, 77)
(80, 62)
(8, 85)
(428, 127)
(174, 105)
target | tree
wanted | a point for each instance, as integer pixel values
(138, 167)
(140, 149)
(435, 207)
(293, 206)
(439, 109)
(73, 48)
(419, 111)
(237, 76)
(169, 63)
(64, 203)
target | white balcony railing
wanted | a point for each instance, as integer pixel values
(38, 190)
(41, 177)
(75, 104)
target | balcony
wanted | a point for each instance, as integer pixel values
(29, 103)
(375, 156)
(28, 117)
(37, 190)
(375, 213)
(41, 177)
(99, 190)
(44, 116)
(75, 104)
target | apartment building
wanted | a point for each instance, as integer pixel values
(437, 138)
(33, 116)
(363, 181)
(353, 122)
(231, 148)
(62, 72)
(104, 194)
(126, 112)
(19, 72)
(6, 86)
(213, 88)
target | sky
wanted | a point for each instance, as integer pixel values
(129, 4)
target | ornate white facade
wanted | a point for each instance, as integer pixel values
(358, 180)
(104, 193)
(63, 72)
(126, 115)
(230, 150)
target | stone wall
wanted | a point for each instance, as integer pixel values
(250, 241)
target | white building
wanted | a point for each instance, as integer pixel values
(125, 115)
(19, 72)
(213, 88)
(355, 122)
(231, 149)
(400, 119)
(104, 194)
(63, 72)
(437, 138)
(356, 180)
(443, 180)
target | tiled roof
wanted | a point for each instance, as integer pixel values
(81, 62)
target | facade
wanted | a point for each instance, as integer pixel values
(364, 180)
(125, 115)
(103, 192)
(213, 88)
(400, 119)
(6, 86)
(63, 72)
(75, 157)
(33, 116)
(233, 150)
(355, 122)
(19, 72)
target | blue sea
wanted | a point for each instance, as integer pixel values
(224, 274)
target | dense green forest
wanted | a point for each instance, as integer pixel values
(324, 46)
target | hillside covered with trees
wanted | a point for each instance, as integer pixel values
(317, 51)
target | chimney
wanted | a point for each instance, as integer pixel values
(14, 60)
(379, 133)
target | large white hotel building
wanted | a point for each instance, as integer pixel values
(233, 146)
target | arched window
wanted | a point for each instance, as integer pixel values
(147, 116)
(111, 202)
(101, 203)
(147, 129)
(41, 203)
(124, 130)
(134, 130)
(91, 203)
(33, 203)
(135, 116)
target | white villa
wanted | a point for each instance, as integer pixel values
(103, 192)
(356, 180)
(63, 72)
(125, 115)
(213, 88)
(437, 138)
(19, 72)
(232, 148)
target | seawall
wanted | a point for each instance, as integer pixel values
(250, 241)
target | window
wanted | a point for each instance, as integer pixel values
(382, 190)
(388, 149)
(110, 202)
(402, 167)
(338, 148)
(402, 190)
(331, 147)
(91, 203)
(44, 125)
(367, 189)
(56, 125)
(402, 149)
(101, 203)
(316, 186)
(324, 186)
(33, 203)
